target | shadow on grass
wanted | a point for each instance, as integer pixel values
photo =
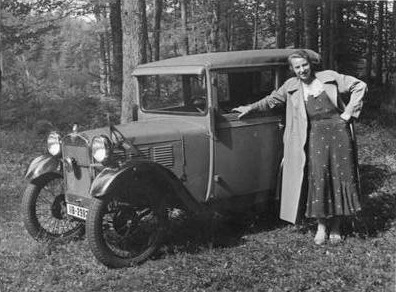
(194, 234)
(378, 202)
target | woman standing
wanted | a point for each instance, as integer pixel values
(317, 135)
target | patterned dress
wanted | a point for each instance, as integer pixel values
(332, 176)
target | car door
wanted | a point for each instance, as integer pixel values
(248, 150)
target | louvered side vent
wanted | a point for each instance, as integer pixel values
(145, 152)
(120, 154)
(163, 155)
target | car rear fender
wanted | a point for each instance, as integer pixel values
(42, 165)
(143, 175)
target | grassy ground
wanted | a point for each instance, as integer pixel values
(266, 255)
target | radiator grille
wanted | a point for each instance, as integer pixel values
(77, 175)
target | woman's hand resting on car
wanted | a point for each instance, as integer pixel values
(243, 110)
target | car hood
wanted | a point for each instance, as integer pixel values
(151, 131)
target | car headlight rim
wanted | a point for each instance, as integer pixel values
(54, 144)
(101, 149)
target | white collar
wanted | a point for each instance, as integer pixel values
(315, 88)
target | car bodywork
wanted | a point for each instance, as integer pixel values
(212, 155)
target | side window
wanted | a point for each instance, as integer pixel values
(173, 93)
(235, 88)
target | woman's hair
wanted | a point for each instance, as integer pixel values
(299, 54)
(315, 66)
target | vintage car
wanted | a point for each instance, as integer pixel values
(186, 151)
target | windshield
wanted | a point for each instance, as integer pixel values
(173, 93)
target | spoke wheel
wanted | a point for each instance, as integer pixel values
(121, 234)
(44, 211)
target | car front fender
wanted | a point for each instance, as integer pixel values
(110, 180)
(42, 165)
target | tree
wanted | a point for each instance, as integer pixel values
(157, 28)
(298, 24)
(393, 36)
(256, 18)
(379, 63)
(325, 33)
(104, 61)
(370, 33)
(116, 34)
(311, 24)
(280, 23)
(1, 50)
(212, 39)
(184, 30)
(134, 52)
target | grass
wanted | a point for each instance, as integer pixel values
(265, 255)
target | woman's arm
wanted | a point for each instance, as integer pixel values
(276, 98)
(357, 89)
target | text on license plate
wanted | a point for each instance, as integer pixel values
(77, 211)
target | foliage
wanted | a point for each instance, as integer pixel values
(55, 78)
(53, 58)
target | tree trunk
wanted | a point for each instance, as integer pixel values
(394, 22)
(107, 44)
(370, 33)
(184, 24)
(103, 72)
(281, 23)
(256, 21)
(386, 42)
(147, 55)
(326, 29)
(392, 45)
(157, 28)
(298, 24)
(116, 34)
(229, 29)
(194, 28)
(393, 57)
(311, 24)
(1, 58)
(212, 39)
(134, 49)
(334, 21)
(379, 63)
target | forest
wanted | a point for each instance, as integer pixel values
(64, 62)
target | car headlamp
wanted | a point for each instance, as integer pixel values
(101, 148)
(54, 143)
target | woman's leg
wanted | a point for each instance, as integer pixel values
(320, 236)
(335, 235)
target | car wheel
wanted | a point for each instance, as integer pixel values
(44, 210)
(122, 234)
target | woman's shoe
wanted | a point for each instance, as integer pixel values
(335, 238)
(320, 237)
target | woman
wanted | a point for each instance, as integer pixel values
(317, 135)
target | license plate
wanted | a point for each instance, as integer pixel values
(77, 211)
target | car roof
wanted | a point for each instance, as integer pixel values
(196, 64)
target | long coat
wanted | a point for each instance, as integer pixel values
(346, 93)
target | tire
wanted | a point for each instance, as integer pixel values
(44, 210)
(122, 234)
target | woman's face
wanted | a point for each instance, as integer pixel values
(302, 69)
